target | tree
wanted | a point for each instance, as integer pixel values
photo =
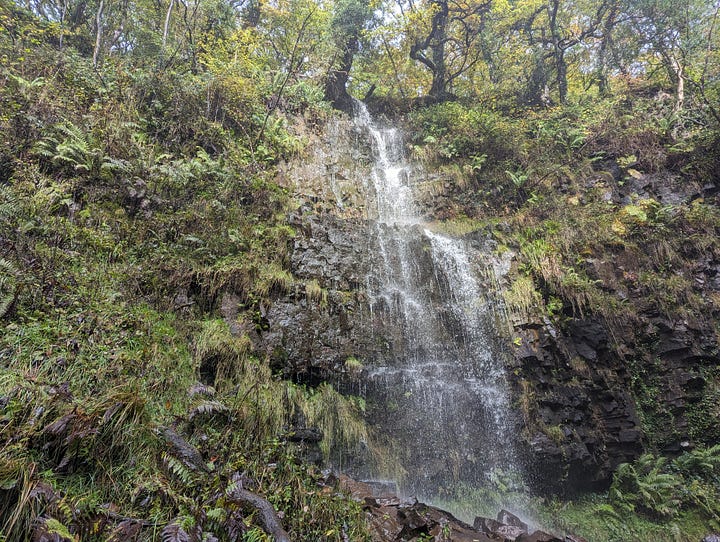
(556, 27)
(350, 17)
(448, 45)
(682, 36)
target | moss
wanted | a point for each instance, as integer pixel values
(315, 293)
(703, 417)
(522, 298)
(556, 433)
(354, 366)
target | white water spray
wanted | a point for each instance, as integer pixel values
(440, 393)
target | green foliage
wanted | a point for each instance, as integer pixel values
(316, 293)
(595, 519)
(70, 149)
(643, 485)
(454, 131)
(658, 487)
(123, 184)
(137, 187)
(8, 286)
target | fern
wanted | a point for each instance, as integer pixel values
(9, 204)
(71, 147)
(184, 529)
(8, 286)
(199, 388)
(699, 461)
(646, 486)
(518, 178)
(179, 470)
(208, 408)
(175, 533)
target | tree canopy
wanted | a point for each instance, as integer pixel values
(533, 52)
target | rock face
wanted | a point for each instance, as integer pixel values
(590, 386)
(582, 420)
(310, 338)
(585, 394)
(585, 387)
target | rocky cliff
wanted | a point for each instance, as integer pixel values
(592, 389)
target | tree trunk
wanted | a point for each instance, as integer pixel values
(336, 83)
(438, 88)
(605, 44)
(558, 51)
(679, 70)
(62, 22)
(98, 34)
(166, 27)
(561, 75)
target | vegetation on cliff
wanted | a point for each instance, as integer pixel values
(138, 190)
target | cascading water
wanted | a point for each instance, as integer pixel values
(439, 395)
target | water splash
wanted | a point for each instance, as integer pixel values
(439, 394)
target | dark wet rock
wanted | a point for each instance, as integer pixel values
(486, 525)
(392, 520)
(498, 530)
(509, 528)
(538, 536)
(582, 419)
(305, 434)
(508, 518)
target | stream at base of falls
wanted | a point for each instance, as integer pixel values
(442, 405)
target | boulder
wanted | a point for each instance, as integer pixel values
(498, 529)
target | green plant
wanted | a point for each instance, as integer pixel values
(518, 177)
(353, 366)
(315, 292)
(8, 286)
(70, 148)
(655, 486)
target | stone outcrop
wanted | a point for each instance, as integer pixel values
(586, 387)
(581, 420)
(598, 390)
(582, 394)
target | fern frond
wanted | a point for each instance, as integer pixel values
(8, 286)
(70, 146)
(179, 470)
(201, 389)
(9, 204)
(173, 532)
(208, 408)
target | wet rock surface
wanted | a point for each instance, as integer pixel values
(586, 387)
(592, 384)
(588, 383)
(392, 520)
(588, 423)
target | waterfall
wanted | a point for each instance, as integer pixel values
(438, 395)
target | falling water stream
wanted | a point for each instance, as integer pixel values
(441, 399)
